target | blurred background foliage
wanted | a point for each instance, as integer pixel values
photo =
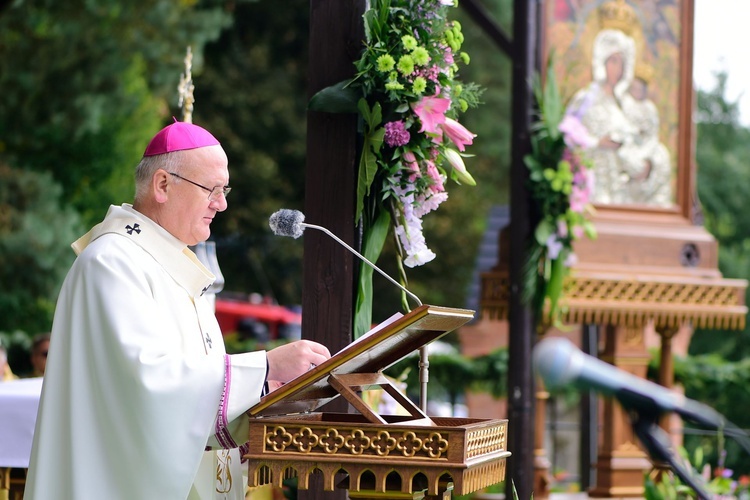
(85, 84)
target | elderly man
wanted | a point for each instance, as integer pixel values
(140, 400)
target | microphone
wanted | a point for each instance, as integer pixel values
(286, 222)
(560, 363)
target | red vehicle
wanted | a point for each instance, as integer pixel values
(259, 321)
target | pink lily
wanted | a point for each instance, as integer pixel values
(431, 113)
(457, 133)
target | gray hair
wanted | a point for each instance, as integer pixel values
(145, 170)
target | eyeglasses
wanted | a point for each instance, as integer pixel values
(213, 193)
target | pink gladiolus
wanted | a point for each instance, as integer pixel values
(411, 163)
(457, 133)
(431, 113)
(434, 174)
(575, 133)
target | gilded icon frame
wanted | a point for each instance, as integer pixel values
(662, 35)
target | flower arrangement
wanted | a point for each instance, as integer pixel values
(717, 481)
(560, 185)
(407, 92)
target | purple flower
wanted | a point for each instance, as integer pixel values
(554, 246)
(396, 134)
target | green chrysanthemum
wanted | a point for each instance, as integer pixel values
(409, 42)
(405, 65)
(421, 56)
(385, 63)
(419, 85)
(393, 85)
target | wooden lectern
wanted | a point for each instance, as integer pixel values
(383, 456)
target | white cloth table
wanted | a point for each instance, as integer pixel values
(19, 401)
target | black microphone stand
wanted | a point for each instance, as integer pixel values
(659, 447)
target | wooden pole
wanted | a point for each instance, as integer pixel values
(329, 270)
(521, 393)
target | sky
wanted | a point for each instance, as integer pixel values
(722, 41)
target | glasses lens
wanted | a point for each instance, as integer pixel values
(217, 192)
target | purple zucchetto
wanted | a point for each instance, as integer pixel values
(179, 136)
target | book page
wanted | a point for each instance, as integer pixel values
(376, 328)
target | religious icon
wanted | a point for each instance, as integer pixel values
(617, 62)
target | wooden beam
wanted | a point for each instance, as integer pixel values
(488, 24)
(336, 34)
(521, 393)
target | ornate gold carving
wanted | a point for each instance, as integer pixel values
(357, 442)
(409, 444)
(618, 15)
(383, 443)
(331, 440)
(634, 301)
(470, 452)
(435, 445)
(279, 438)
(306, 439)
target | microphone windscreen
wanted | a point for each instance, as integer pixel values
(287, 222)
(557, 361)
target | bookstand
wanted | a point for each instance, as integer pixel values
(373, 455)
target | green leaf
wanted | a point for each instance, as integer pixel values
(554, 286)
(374, 239)
(364, 110)
(543, 231)
(368, 167)
(377, 117)
(338, 98)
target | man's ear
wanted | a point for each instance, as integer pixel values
(160, 183)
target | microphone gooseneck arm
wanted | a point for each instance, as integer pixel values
(342, 242)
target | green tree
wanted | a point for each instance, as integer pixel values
(723, 183)
(252, 94)
(85, 85)
(723, 146)
(35, 235)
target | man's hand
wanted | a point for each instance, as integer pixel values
(291, 360)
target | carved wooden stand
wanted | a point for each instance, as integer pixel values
(373, 455)
(663, 273)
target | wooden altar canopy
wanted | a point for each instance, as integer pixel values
(634, 273)
(387, 456)
(659, 272)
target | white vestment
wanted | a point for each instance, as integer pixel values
(138, 383)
